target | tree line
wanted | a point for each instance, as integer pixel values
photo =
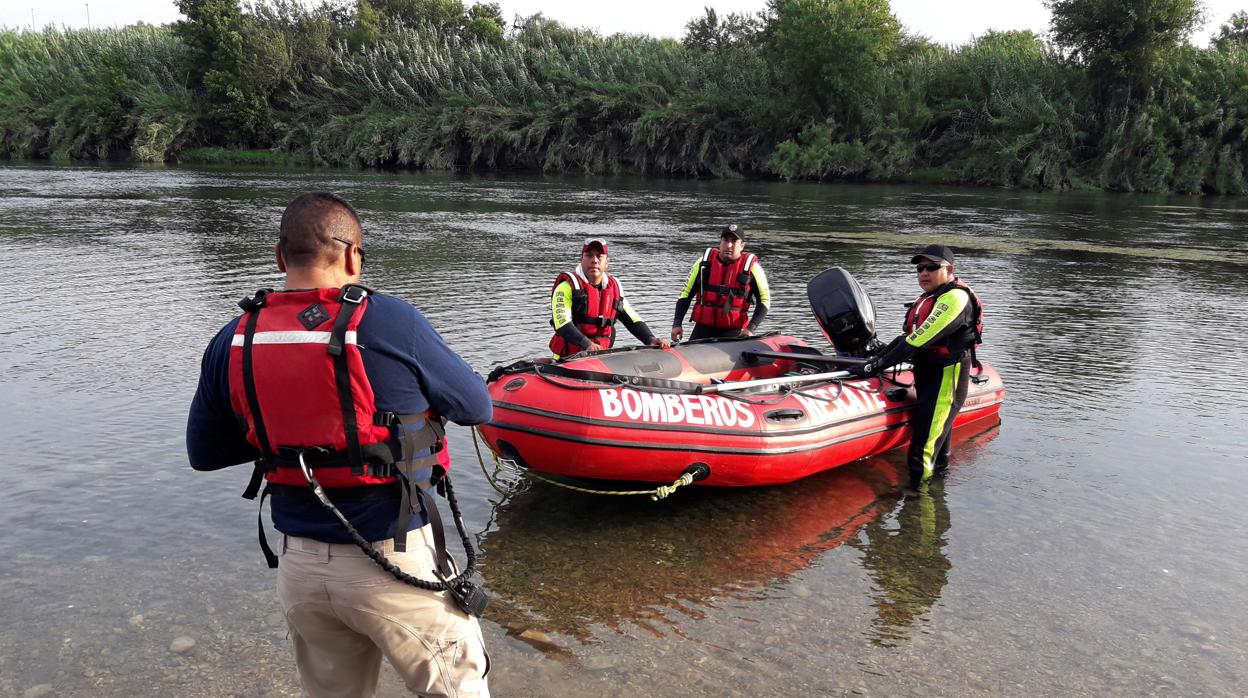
(1111, 98)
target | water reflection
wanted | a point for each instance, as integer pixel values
(904, 550)
(563, 562)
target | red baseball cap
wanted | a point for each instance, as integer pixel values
(595, 241)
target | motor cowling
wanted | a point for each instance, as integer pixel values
(844, 311)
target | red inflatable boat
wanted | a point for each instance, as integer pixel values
(754, 411)
(751, 417)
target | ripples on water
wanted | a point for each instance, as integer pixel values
(1088, 545)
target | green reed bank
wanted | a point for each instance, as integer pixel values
(803, 89)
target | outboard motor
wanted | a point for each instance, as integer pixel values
(844, 312)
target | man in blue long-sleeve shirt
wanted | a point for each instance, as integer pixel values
(262, 396)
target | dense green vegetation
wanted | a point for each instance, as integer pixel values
(813, 89)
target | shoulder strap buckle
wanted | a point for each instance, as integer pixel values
(256, 302)
(353, 293)
(385, 419)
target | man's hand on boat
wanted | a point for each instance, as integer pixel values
(660, 343)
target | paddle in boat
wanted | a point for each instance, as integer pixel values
(760, 410)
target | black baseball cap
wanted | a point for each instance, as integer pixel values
(936, 253)
(734, 230)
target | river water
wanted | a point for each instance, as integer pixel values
(1090, 544)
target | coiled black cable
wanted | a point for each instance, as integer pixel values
(377, 557)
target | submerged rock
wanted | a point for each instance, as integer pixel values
(539, 640)
(182, 645)
(599, 662)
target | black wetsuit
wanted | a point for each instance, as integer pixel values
(939, 349)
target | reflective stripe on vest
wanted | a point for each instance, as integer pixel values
(291, 337)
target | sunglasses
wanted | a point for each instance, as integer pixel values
(350, 244)
(930, 266)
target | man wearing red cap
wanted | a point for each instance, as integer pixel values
(942, 328)
(722, 285)
(586, 302)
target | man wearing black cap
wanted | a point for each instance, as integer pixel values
(942, 329)
(585, 304)
(722, 285)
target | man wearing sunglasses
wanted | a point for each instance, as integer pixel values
(325, 381)
(723, 283)
(942, 328)
(586, 302)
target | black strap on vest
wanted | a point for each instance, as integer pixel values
(252, 307)
(580, 310)
(403, 521)
(257, 478)
(269, 557)
(378, 456)
(365, 493)
(443, 561)
(249, 376)
(351, 297)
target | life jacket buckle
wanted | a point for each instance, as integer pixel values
(385, 419)
(256, 302)
(353, 294)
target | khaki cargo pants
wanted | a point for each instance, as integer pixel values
(345, 613)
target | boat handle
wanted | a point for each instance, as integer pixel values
(786, 414)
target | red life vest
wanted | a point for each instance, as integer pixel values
(593, 312)
(723, 299)
(966, 338)
(297, 382)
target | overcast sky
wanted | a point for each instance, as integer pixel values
(945, 21)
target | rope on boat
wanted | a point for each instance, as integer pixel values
(660, 492)
(497, 464)
(621, 381)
